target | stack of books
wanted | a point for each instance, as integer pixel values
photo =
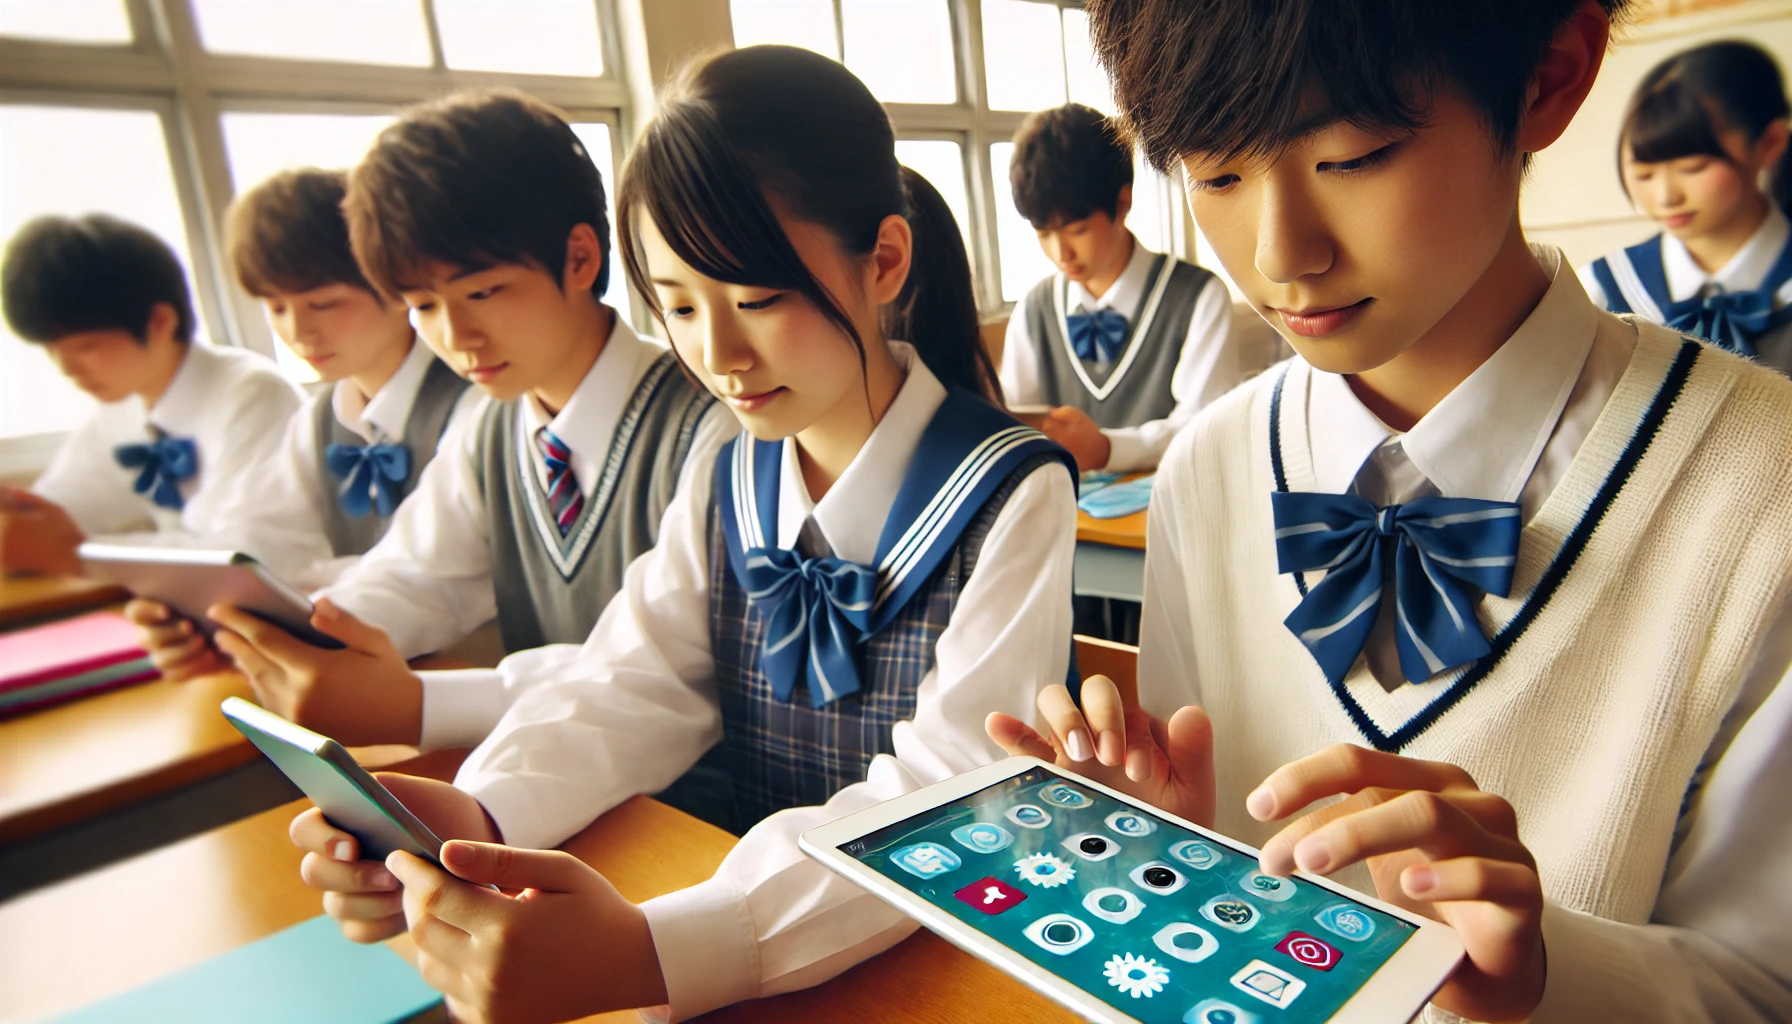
(64, 660)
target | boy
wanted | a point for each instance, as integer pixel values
(486, 216)
(1126, 344)
(178, 422)
(1595, 764)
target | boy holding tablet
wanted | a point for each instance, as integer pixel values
(1503, 574)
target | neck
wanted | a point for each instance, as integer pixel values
(1713, 250)
(1402, 390)
(826, 447)
(162, 372)
(374, 377)
(596, 322)
(1098, 284)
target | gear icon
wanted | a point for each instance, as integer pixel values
(1044, 870)
(1136, 976)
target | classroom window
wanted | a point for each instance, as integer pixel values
(1023, 261)
(901, 49)
(538, 37)
(100, 22)
(596, 137)
(350, 31)
(941, 162)
(1023, 54)
(806, 23)
(262, 144)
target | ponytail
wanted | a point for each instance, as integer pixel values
(937, 310)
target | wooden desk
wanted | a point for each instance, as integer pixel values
(111, 930)
(1110, 556)
(25, 599)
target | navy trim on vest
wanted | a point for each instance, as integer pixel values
(1608, 282)
(1547, 584)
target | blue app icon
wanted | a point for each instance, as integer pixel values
(1065, 795)
(1196, 854)
(982, 837)
(926, 860)
(1346, 922)
(1218, 1011)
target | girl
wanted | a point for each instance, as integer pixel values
(885, 561)
(1706, 130)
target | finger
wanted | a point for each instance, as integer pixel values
(432, 892)
(444, 942)
(170, 657)
(145, 612)
(1106, 715)
(1416, 820)
(331, 620)
(1346, 768)
(167, 633)
(368, 907)
(1017, 737)
(369, 932)
(445, 979)
(207, 662)
(1480, 879)
(312, 832)
(510, 867)
(362, 876)
(248, 658)
(1070, 732)
(268, 639)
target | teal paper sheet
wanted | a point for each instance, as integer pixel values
(1116, 500)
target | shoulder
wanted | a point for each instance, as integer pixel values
(1038, 297)
(1220, 432)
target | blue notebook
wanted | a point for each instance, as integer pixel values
(307, 974)
(1116, 500)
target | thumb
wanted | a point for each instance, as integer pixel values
(510, 868)
(1190, 748)
(330, 620)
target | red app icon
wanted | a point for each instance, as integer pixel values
(1315, 953)
(992, 895)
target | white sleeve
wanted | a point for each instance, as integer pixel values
(277, 514)
(1166, 637)
(1208, 368)
(88, 483)
(1595, 290)
(772, 920)
(250, 432)
(1020, 361)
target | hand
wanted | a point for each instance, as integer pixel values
(566, 946)
(179, 651)
(1437, 845)
(1079, 435)
(1169, 766)
(362, 895)
(361, 695)
(37, 535)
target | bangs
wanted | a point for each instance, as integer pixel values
(1668, 123)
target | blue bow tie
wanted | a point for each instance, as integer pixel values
(1731, 319)
(373, 475)
(162, 465)
(1097, 337)
(816, 610)
(1438, 544)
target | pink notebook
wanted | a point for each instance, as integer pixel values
(62, 649)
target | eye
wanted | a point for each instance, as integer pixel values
(485, 293)
(1361, 163)
(765, 303)
(1216, 184)
(320, 307)
(422, 307)
(679, 312)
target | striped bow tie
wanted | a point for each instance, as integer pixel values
(1098, 336)
(564, 496)
(161, 464)
(372, 475)
(1731, 319)
(1437, 544)
(816, 610)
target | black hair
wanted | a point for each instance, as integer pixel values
(478, 178)
(66, 275)
(1069, 163)
(738, 128)
(1683, 103)
(1234, 78)
(287, 235)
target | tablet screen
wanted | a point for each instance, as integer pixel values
(1157, 921)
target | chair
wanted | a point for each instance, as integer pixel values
(1119, 662)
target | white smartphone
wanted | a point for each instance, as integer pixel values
(1125, 913)
(189, 581)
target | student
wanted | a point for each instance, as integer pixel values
(485, 214)
(1594, 762)
(1705, 131)
(178, 422)
(1126, 344)
(834, 640)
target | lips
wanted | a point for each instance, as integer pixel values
(754, 402)
(1320, 321)
(485, 374)
(1677, 220)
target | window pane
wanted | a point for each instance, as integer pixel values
(66, 21)
(1152, 208)
(1023, 55)
(941, 162)
(1023, 262)
(805, 23)
(73, 161)
(260, 145)
(356, 31)
(902, 49)
(541, 37)
(1088, 82)
(596, 137)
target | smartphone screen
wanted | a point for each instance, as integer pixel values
(1157, 921)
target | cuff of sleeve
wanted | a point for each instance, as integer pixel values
(460, 707)
(1126, 452)
(1585, 967)
(708, 949)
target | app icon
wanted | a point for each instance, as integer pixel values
(1274, 986)
(1131, 823)
(1135, 975)
(1230, 913)
(982, 837)
(1111, 904)
(1092, 846)
(991, 895)
(1267, 887)
(1029, 816)
(1218, 1011)
(1196, 854)
(926, 860)
(1157, 878)
(1346, 921)
(1044, 870)
(1059, 933)
(1187, 942)
(1065, 795)
(1306, 950)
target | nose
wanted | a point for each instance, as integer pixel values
(725, 347)
(1668, 192)
(456, 330)
(302, 323)
(1053, 246)
(1292, 239)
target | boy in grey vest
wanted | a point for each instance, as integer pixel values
(1125, 344)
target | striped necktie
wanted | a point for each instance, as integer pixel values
(564, 496)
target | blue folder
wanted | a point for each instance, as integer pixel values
(307, 974)
(1116, 500)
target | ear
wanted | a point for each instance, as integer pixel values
(1771, 146)
(163, 322)
(584, 259)
(1564, 76)
(891, 259)
(1124, 205)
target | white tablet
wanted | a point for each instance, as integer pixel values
(1125, 913)
(190, 580)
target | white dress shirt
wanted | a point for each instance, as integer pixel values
(1686, 279)
(1208, 367)
(636, 706)
(428, 582)
(233, 404)
(1719, 942)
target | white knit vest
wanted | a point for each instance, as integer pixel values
(1595, 713)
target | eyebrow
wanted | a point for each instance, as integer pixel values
(668, 282)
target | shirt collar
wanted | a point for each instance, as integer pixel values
(851, 516)
(588, 420)
(382, 417)
(1127, 291)
(1746, 271)
(1484, 438)
(181, 409)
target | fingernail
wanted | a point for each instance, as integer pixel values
(1313, 855)
(1261, 803)
(459, 855)
(1077, 743)
(343, 850)
(380, 878)
(1138, 765)
(1112, 748)
(1420, 881)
